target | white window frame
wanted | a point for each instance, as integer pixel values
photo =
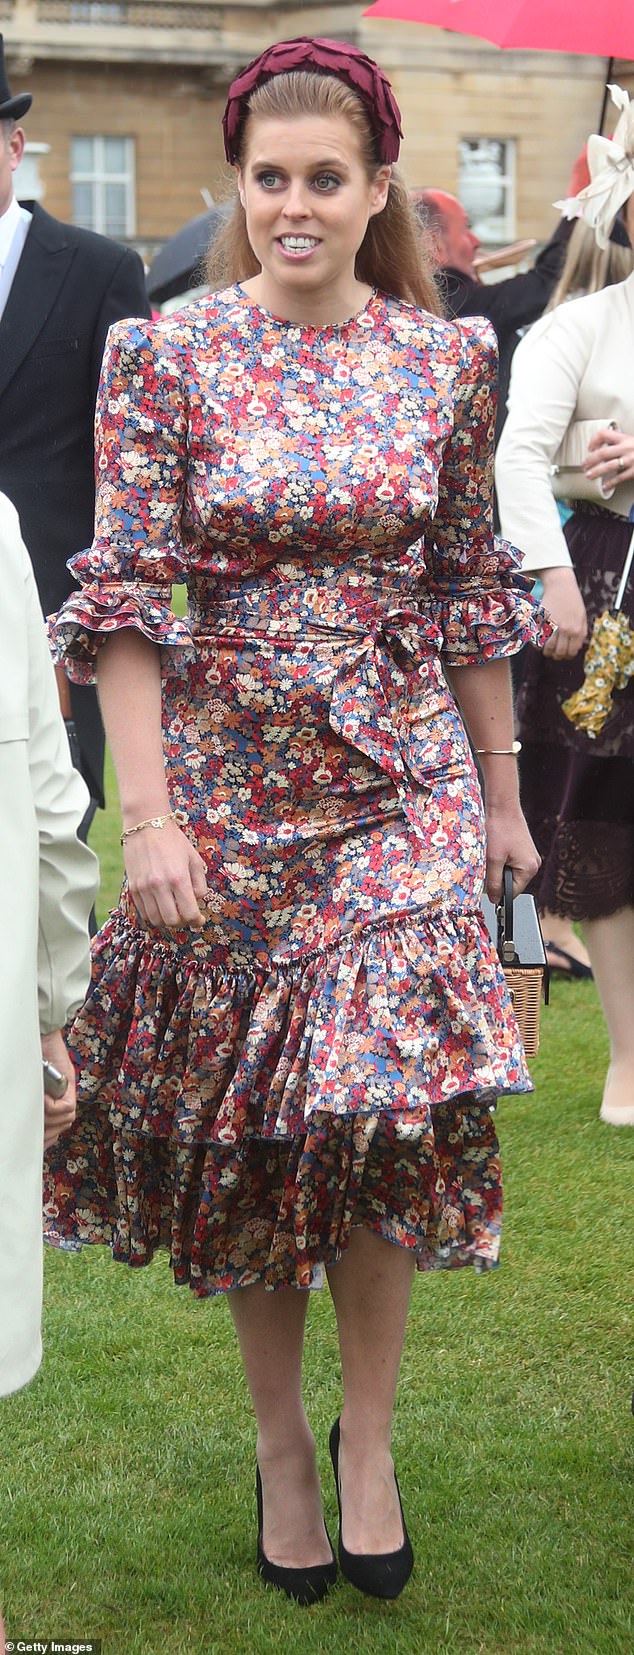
(97, 11)
(492, 229)
(99, 176)
(27, 180)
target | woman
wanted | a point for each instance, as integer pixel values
(587, 269)
(576, 366)
(47, 883)
(296, 1023)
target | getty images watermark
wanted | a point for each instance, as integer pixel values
(53, 1646)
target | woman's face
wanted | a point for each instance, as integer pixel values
(308, 199)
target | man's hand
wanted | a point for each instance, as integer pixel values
(59, 1113)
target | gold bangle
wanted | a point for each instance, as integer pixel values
(499, 752)
(177, 816)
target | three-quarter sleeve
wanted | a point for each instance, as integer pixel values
(126, 576)
(475, 592)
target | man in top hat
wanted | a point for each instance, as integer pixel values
(60, 289)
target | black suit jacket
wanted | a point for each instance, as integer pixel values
(510, 304)
(69, 286)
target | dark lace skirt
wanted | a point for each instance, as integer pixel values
(578, 793)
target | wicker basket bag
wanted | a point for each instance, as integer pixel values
(515, 929)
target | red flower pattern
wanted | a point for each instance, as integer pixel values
(325, 1053)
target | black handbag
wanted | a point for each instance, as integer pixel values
(514, 928)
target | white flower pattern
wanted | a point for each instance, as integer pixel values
(325, 1052)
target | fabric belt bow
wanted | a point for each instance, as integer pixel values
(372, 690)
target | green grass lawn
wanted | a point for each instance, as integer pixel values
(127, 1480)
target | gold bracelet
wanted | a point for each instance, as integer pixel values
(499, 752)
(177, 816)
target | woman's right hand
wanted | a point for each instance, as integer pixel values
(166, 877)
(564, 604)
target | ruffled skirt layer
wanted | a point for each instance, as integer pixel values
(247, 1120)
(324, 1053)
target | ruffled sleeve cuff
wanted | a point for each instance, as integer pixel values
(488, 615)
(101, 607)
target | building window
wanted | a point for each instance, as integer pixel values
(97, 11)
(102, 178)
(27, 181)
(486, 187)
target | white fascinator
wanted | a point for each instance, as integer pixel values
(611, 168)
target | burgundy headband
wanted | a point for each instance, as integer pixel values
(346, 63)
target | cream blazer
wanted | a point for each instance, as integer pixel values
(576, 363)
(47, 884)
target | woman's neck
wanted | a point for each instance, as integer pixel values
(308, 307)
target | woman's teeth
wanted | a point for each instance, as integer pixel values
(299, 244)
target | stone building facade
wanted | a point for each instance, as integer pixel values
(124, 133)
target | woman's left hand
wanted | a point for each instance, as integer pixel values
(610, 456)
(509, 844)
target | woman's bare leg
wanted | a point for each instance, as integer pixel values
(611, 949)
(371, 1288)
(270, 1329)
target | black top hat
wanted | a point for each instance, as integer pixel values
(11, 109)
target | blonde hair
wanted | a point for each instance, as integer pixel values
(588, 268)
(390, 257)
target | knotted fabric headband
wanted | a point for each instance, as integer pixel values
(611, 168)
(334, 57)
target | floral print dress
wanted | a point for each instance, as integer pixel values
(325, 1052)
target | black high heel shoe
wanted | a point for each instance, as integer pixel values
(379, 1574)
(572, 967)
(303, 1585)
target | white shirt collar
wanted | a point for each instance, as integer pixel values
(8, 225)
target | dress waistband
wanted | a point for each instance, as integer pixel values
(389, 644)
(280, 608)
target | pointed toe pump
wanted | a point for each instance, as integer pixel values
(304, 1586)
(380, 1574)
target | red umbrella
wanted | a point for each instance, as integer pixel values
(605, 30)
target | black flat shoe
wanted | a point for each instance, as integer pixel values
(571, 967)
(379, 1574)
(303, 1585)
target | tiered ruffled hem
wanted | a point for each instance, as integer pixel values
(248, 1118)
